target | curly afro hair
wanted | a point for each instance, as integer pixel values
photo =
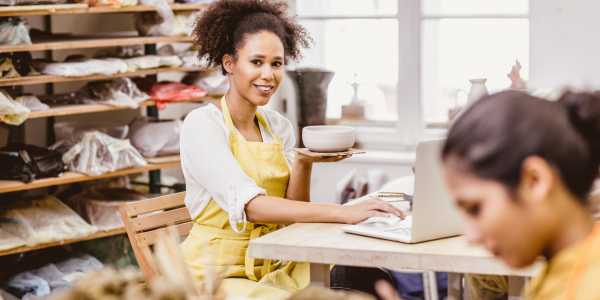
(222, 28)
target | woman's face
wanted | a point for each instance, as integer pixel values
(507, 224)
(258, 69)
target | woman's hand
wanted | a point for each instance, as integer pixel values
(356, 213)
(386, 291)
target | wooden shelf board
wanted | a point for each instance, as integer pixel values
(97, 235)
(61, 9)
(62, 43)
(7, 186)
(68, 110)
(41, 79)
(78, 109)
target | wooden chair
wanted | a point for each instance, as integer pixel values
(144, 220)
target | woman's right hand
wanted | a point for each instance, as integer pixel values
(374, 207)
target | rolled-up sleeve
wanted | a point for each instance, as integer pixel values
(208, 163)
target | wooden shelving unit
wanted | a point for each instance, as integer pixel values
(97, 235)
(65, 9)
(7, 186)
(79, 42)
(68, 110)
(66, 42)
(42, 79)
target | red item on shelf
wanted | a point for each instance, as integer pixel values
(162, 93)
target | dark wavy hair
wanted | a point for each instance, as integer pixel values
(495, 135)
(224, 25)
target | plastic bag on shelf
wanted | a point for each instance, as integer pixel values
(188, 57)
(152, 61)
(14, 31)
(44, 220)
(28, 162)
(63, 99)
(87, 67)
(52, 277)
(8, 240)
(11, 111)
(75, 267)
(99, 206)
(214, 82)
(153, 24)
(155, 137)
(27, 283)
(118, 92)
(68, 133)
(32, 102)
(98, 153)
(174, 91)
(163, 8)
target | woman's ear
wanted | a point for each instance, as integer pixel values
(228, 62)
(537, 179)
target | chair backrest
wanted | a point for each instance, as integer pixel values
(145, 220)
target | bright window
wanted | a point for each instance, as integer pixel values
(466, 39)
(413, 57)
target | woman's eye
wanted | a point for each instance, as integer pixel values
(257, 62)
(277, 64)
(473, 210)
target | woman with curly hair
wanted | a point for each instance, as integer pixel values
(241, 175)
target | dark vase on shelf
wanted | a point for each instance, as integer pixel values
(311, 84)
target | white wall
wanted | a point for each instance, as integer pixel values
(565, 44)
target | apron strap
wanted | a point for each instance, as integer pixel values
(250, 262)
(261, 120)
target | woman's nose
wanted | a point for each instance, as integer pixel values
(267, 72)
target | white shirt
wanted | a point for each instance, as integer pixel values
(210, 169)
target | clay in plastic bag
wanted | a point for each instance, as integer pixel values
(152, 61)
(43, 220)
(32, 103)
(152, 24)
(52, 277)
(11, 111)
(98, 153)
(99, 206)
(215, 83)
(106, 66)
(155, 137)
(118, 92)
(8, 240)
(13, 31)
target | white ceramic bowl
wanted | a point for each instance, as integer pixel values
(328, 138)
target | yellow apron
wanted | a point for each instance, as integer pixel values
(212, 241)
(572, 274)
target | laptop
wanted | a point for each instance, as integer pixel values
(432, 213)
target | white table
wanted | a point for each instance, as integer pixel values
(326, 244)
